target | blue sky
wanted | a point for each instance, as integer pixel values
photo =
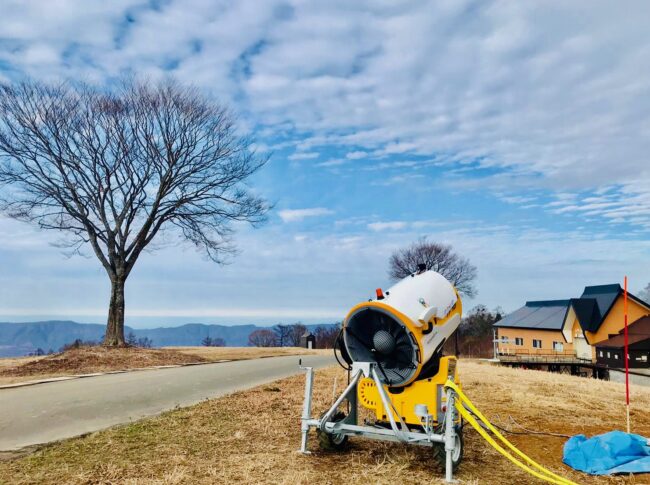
(518, 132)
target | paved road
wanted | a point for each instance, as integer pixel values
(53, 411)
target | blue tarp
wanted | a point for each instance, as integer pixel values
(605, 454)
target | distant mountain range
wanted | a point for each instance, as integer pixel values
(18, 339)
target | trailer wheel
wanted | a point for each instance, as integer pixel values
(332, 441)
(440, 455)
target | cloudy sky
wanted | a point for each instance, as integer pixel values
(518, 132)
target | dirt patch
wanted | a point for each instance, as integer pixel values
(252, 437)
(88, 360)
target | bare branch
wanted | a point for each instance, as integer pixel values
(437, 257)
(114, 169)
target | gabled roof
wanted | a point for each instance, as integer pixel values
(539, 315)
(600, 299)
(591, 310)
(604, 296)
(638, 336)
(586, 310)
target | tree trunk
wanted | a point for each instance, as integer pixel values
(115, 327)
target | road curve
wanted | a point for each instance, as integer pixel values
(53, 411)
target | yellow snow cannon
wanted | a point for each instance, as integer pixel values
(391, 346)
(404, 328)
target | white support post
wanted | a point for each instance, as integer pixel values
(306, 408)
(450, 437)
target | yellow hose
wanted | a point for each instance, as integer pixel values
(546, 475)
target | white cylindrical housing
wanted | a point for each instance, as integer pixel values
(403, 330)
(424, 297)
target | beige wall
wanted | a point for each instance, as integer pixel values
(546, 336)
(614, 322)
(582, 348)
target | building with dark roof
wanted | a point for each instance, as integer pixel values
(610, 352)
(571, 327)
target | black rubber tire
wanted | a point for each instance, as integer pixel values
(440, 455)
(332, 442)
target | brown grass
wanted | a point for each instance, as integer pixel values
(9, 362)
(89, 360)
(252, 436)
(241, 353)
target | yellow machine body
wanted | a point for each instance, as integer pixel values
(421, 312)
(429, 391)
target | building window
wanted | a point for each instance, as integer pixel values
(504, 339)
(537, 344)
(600, 353)
(609, 356)
(519, 341)
(558, 346)
(616, 356)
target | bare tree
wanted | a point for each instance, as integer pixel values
(213, 342)
(296, 331)
(116, 169)
(282, 334)
(131, 340)
(437, 257)
(474, 336)
(261, 338)
(144, 342)
(325, 335)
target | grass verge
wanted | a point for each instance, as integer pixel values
(89, 360)
(242, 353)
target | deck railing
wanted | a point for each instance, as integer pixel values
(540, 355)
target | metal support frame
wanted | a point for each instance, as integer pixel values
(450, 436)
(306, 407)
(399, 433)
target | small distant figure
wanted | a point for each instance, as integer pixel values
(308, 340)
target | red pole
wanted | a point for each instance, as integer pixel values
(627, 364)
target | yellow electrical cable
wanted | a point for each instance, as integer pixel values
(473, 408)
(470, 419)
(553, 478)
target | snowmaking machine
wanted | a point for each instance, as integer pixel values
(392, 348)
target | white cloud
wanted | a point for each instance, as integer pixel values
(356, 155)
(303, 156)
(523, 86)
(293, 215)
(547, 96)
(332, 163)
(387, 226)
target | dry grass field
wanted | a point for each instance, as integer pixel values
(252, 437)
(241, 353)
(89, 360)
(9, 362)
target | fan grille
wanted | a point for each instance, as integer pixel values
(373, 335)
